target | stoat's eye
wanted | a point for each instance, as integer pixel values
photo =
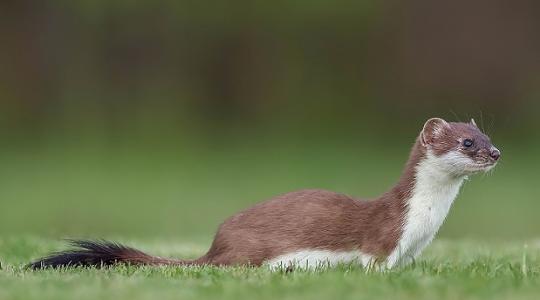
(468, 143)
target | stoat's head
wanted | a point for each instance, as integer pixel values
(459, 148)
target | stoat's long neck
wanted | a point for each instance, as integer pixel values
(428, 192)
(402, 191)
(434, 192)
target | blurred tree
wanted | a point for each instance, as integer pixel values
(107, 65)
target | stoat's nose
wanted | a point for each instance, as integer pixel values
(495, 154)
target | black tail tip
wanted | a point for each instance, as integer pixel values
(86, 253)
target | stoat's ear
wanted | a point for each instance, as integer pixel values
(433, 128)
(473, 123)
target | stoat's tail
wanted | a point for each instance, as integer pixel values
(101, 253)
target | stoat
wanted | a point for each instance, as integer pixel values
(310, 228)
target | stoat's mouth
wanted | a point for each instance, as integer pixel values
(482, 166)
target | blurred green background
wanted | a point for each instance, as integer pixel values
(162, 118)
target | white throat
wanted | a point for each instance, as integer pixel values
(434, 191)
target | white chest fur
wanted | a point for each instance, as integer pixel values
(430, 201)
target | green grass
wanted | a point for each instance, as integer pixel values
(448, 270)
(169, 200)
(183, 192)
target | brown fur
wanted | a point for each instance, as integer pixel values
(306, 219)
(314, 219)
(451, 136)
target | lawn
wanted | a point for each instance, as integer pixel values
(169, 202)
(448, 270)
